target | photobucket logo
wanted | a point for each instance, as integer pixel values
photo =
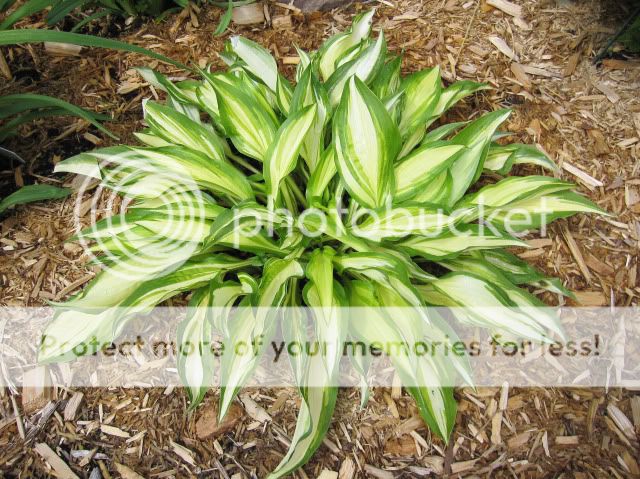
(141, 217)
(394, 223)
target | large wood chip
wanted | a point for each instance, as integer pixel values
(571, 65)
(635, 412)
(576, 253)
(347, 469)
(503, 48)
(185, 454)
(401, 446)
(611, 95)
(378, 473)
(621, 420)
(114, 431)
(496, 426)
(126, 472)
(71, 409)
(62, 470)
(248, 14)
(521, 75)
(254, 410)
(327, 474)
(207, 426)
(37, 390)
(567, 440)
(507, 7)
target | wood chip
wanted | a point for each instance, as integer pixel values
(62, 49)
(185, 454)
(126, 472)
(114, 431)
(62, 470)
(248, 14)
(207, 426)
(571, 65)
(621, 420)
(541, 72)
(347, 469)
(327, 474)
(401, 446)
(521, 75)
(71, 409)
(635, 412)
(37, 390)
(503, 48)
(577, 172)
(507, 7)
(576, 253)
(496, 425)
(567, 440)
(254, 410)
(378, 473)
(611, 95)
(518, 441)
(282, 22)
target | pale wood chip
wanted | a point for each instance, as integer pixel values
(327, 474)
(126, 472)
(621, 420)
(521, 75)
(576, 253)
(378, 473)
(567, 440)
(254, 410)
(503, 48)
(611, 95)
(62, 470)
(248, 14)
(585, 177)
(114, 431)
(635, 412)
(496, 425)
(62, 49)
(507, 7)
(71, 409)
(185, 454)
(347, 469)
(541, 72)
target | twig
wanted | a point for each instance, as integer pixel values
(466, 35)
(16, 412)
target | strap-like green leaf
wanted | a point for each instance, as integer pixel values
(422, 167)
(18, 37)
(179, 129)
(339, 44)
(258, 60)
(476, 137)
(282, 155)
(33, 193)
(251, 128)
(367, 142)
(452, 243)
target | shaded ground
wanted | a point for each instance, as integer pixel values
(586, 118)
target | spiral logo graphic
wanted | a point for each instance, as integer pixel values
(161, 220)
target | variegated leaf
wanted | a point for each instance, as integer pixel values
(367, 142)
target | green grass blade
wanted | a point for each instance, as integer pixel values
(32, 193)
(19, 37)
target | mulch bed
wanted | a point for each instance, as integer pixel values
(538, 62)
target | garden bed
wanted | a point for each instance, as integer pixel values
(539, 63)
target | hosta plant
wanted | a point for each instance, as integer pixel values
(345, 188)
